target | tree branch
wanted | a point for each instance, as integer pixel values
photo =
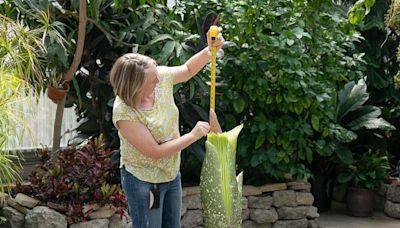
(81, 42)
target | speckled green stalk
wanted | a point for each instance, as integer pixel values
(220, 189)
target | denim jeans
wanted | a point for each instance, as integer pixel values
(168, 215)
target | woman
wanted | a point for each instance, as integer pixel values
(147, 121)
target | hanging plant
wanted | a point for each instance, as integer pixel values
(56, 91)
(220, 189)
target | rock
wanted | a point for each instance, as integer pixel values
(245, 203)
(245, 214)
(117, 222)
(101, 213)
(313, 223)
(97, 223)
(55, 206)
(249, 190)
(263, 202)
(44, 217)
(3, 199)
(392, 209)
(290, 213)
(90, 207)
(12, 203)
(183, 209)
(296, 183)
(192, 202)
(299, 223)
(192, 218)
(273, 187)
(383, 190)
(14, 217)
(284, 198)
(251, 224)
(393, 193)
(26, 201)
(305, 187)
(188, 191)
(261, 216)
(304, 198)
(395, 181)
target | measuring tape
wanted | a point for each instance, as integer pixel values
(213, 36)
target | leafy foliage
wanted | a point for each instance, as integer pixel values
(380, 47)
(19, 60)
(353, 118)
(368, 170)
(77, 176)
(54, 46)
(360, 9)
(288, 61)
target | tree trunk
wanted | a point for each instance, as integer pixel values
(57, 124)
(69, 75)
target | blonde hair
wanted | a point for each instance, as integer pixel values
(128, 76)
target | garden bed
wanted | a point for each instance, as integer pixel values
(270, 205)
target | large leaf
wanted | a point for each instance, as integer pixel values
(362, 114)
(367, 117)
(219, 188)
(344, 135)
(376, 123)
(352, 97)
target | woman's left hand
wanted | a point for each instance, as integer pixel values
(218, 42)
(214, 124)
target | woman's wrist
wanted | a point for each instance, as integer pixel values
(207, 50)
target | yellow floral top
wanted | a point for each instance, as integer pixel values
(162, 121)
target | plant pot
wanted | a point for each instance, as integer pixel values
(360, 202)
(321, 189)
(56, 94)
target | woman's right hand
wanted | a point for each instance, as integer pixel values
(201, 129)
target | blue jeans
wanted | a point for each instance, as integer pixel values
(168, 215)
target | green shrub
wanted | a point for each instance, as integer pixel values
(281, 79)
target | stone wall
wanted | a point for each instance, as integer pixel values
(392, 205)
(26, 212)
(272, 205)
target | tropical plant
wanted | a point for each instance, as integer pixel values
(354, 119)
(11, 94)
(357, 128)
(77, 176)
(220, 189)
(20, 75)
(367, 171)
(21, 52)
(380, 46)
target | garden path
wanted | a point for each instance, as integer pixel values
(337, 218)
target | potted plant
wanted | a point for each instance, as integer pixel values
(353, 123)
(57, 89)
(367, 173)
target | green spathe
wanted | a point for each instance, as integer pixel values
(220, 189)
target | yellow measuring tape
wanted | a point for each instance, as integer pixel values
(213, 37)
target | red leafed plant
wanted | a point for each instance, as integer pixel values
(74, 177)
